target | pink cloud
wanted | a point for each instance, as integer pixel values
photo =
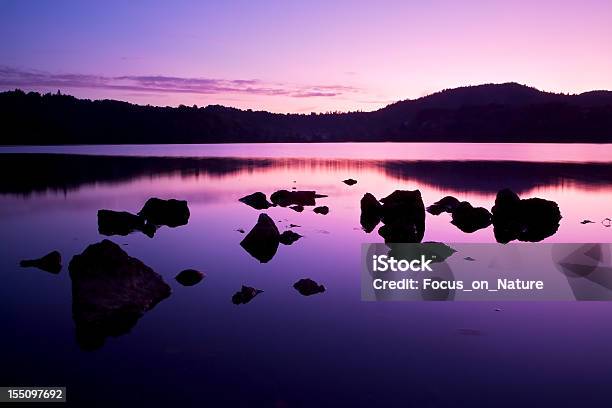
(166, 84)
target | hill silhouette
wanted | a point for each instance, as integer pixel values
(485, 113)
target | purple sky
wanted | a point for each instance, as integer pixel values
(301, 56)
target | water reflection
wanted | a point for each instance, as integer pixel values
(51, 202)
(25, 174)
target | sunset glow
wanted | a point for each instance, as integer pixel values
(312, 56)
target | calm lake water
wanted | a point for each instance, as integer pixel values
(282, 349)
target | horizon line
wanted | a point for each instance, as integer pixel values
(59, 91)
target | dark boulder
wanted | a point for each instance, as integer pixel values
(245, 295)
(403, 204)
(119, 222)
(530, 220)
(189, 277)
(371, 212)
(52, 262)
(286, 198)
(446, 204)
(262, 241)
(470, 219)
(308, 287)
(350, 182)
(403, 214)
(110, 292)
(322, 210)
(256, 200)
(297, 208)
(172, 213)
(289, 237)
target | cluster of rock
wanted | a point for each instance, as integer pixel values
(295, 200)
(154, 214)
(306, 287)
(111, 291)
(264, 238)
(531, 219)
(403, 216)
(464, 216)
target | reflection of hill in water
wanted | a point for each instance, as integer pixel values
(491, 176)
(28, 173)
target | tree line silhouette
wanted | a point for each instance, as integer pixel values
(485, 113)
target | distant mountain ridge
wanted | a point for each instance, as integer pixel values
(507, 112)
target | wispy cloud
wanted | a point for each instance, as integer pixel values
(14, 77)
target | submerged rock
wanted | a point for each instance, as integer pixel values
(286, 198)
(322, 210)
(308, 287)
(371, 212)
(435, 251)
(263, 240)
(121, 223)
(110, 292)
(172, 213)
(256, 200)
(470, 219)
(350, 182)
(587, 222)
(52, 263)
(289, 237)
(531, 220)
(189, 277)
(446, 204)
(245, 295)
(297, 208)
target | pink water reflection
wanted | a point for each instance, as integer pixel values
(529, 152)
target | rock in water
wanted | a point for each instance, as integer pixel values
(322, 210)
(446, 204)
(531, 220)
(189, 277)
(350, 182)
(52, 262)
(245, 295)
(403, 214)
(262, 241)
(470, 219)
(371, 211)
(286, 198)
(119, 222)
(297, 208)
(256, 200)
(289, 237)
(308, 287)
(110, 292)
(172, 213)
